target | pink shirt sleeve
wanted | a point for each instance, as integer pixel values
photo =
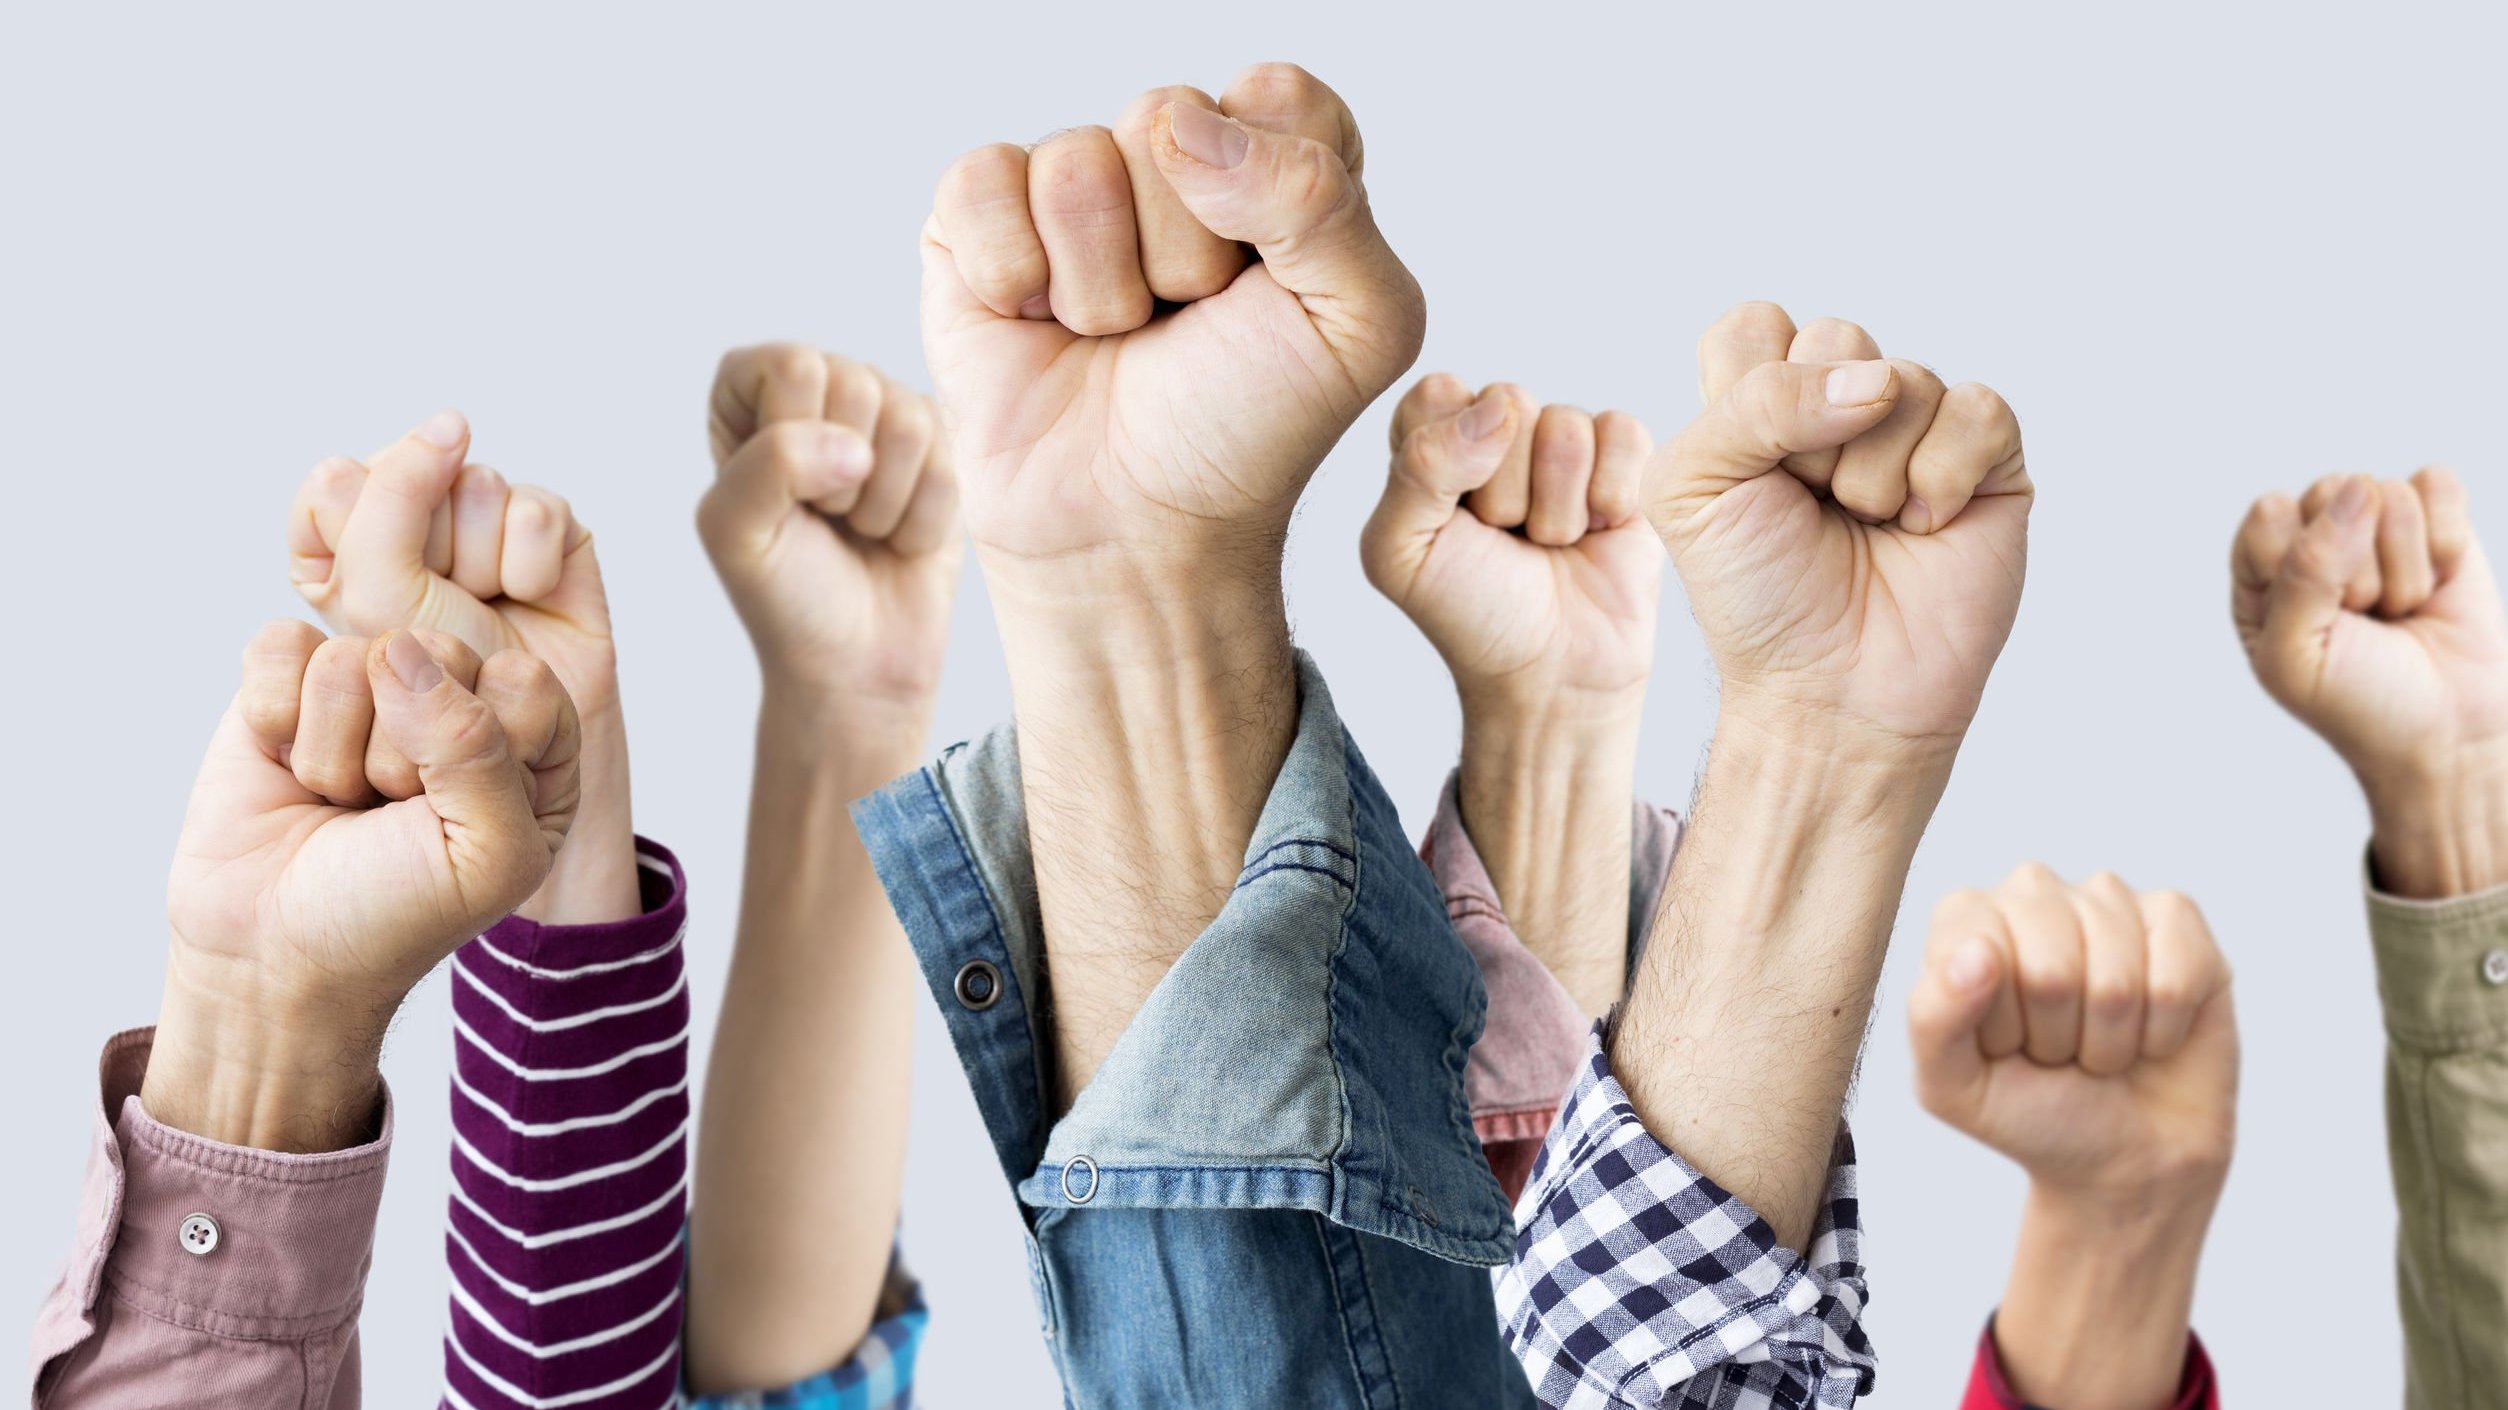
(1534, 1036)
(205, 1273)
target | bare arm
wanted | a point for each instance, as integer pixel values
(832, 523)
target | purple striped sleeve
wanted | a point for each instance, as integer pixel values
(570, 1159)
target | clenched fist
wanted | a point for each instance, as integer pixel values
(418, 537)
(365, 808)
(1852, 533)
(1510, 533)
(2369, 611)
(2084, 1031)
(832, 521)
(1117, 372)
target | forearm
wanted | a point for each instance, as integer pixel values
(1547, 801)
(1153, 719)
(594, 877)
(2096, 1314)
(806, 1093)
(1746, 1016)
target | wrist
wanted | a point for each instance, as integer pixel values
(248, 1058)
(851, 742)
(2440, 828)
(2102, 1289)
(594, 878)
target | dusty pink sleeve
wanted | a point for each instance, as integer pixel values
(1527, 1055)
(207, 1274)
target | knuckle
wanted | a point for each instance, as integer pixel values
(1756, 321)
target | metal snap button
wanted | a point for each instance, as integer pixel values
(2495, 967)
(199, 1235)
(1086, 1192)
(978, 985)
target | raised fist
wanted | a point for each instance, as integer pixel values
(2369, 611)
(2084, 1031)
(1851, 533)
(365, 808)
(416, 537)
(1510, 532)
(1115, 371)
(832, 521)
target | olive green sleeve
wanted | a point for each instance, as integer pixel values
(2442, 977)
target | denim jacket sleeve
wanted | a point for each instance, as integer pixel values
(2442, 977)
(205, 1273)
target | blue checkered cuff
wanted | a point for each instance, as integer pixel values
(1638, 1282)
(878, 1376)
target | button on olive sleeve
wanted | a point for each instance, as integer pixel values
(2442, 975)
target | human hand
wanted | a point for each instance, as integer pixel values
(2084, 1031)
(1086, 420)
(1865, 592)
(832, 522)
(2369, 611)
(364, 809)
(1509, 533)
(416, 537)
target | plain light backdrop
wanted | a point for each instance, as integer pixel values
(2205, 251)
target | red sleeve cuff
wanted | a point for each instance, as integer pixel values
(1987, 1390)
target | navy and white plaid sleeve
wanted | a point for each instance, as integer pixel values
(1638, 1282)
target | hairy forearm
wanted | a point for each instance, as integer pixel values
(2096, 1314)
(804, 1123)
(1747, 1013)
(1547, 801)
(594, 878)
(2443, 830)
(248, 1065)
(1153, 719)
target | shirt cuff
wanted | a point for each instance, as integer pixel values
(222, 1239)
(879, 1375)
(1987, 1390)
(1638, 1281)
(2442, 968)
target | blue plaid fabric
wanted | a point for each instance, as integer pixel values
(1638, 1282)
(878, 1376)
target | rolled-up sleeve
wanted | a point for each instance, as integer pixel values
(1637, 1281)
(2442, 976)
(204, 1273)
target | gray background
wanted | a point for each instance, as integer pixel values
(2204, 251)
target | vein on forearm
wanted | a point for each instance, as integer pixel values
(1152, 724)
(1548, 808)
(1741, 1035)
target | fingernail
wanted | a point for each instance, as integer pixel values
(2352, 500)
(1916, 516)
(1857, 383)
(1205, 136)
(417, 670)
(1482, 418)
(1040, 308)
(442, 430)
(847, 454)
(1971, 966)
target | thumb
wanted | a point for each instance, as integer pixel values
(2306, 596)
(380, 561)
(1943, 1016)
(1302, 210)
(1778, 409)
(1437, 464)
(479, 791)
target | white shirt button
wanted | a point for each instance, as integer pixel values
(2495, 967)
(199, 1235)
